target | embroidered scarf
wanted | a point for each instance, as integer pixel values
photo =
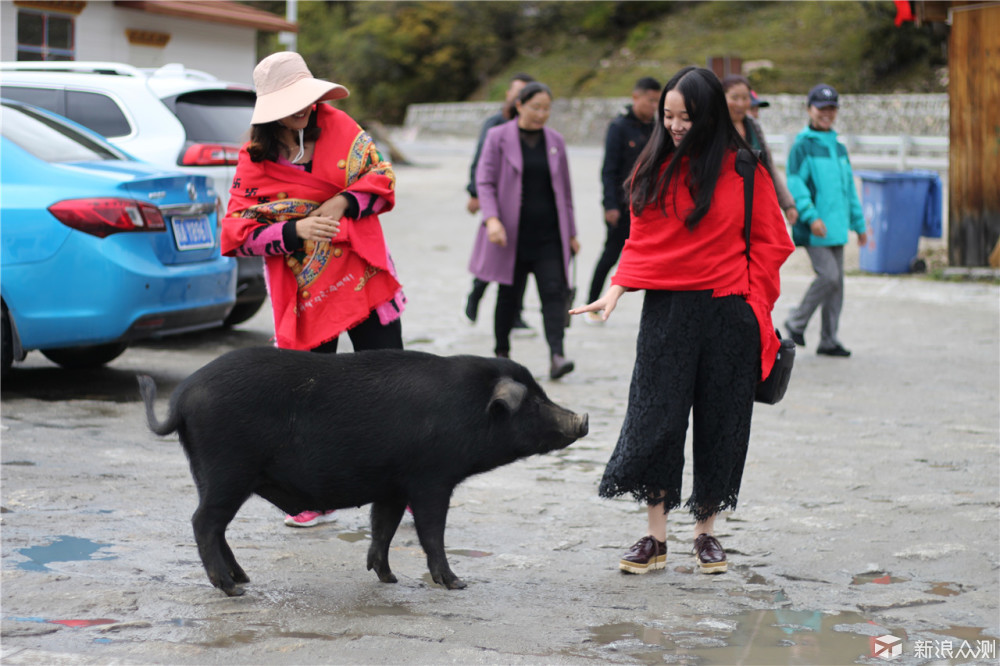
(327, 287)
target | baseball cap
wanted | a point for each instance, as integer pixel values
(757, 102)
(822, 96)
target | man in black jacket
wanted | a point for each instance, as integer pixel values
(626, 137)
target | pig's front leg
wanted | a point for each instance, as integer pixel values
(430, 515)
(385, 518)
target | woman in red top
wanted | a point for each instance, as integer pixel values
(705, 337)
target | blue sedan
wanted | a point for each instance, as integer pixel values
(97, 249)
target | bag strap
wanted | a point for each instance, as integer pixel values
(746, 166)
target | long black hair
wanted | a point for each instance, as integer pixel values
(264, 141)
(712, 134)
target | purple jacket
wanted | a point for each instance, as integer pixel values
(498, 180)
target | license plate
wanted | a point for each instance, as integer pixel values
(193, 233)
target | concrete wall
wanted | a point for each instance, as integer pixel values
(584, 120)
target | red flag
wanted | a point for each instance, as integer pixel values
(904, 12)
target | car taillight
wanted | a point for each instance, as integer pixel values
(103, 217)
(210, 154)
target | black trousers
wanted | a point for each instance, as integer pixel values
(369, 334)
(550, 276)
(617, 235)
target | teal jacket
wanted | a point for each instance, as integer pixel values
(822, 183)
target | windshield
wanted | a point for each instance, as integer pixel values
(52, 140)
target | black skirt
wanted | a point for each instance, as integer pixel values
(699, 353)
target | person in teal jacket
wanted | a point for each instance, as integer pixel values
(821, 181)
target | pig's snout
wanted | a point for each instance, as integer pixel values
(572, 426)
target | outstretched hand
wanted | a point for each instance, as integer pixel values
(605, 303)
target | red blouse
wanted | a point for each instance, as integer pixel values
(662, 253)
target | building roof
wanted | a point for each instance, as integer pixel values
(216, 11)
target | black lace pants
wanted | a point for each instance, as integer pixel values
(694, 355)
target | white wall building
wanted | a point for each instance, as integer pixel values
(214, 36)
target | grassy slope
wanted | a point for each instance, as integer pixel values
(807, 42)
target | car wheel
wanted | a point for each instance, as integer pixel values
(243, 311)
(7, 343)
(85, 357)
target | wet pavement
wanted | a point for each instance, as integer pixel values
(868, 518)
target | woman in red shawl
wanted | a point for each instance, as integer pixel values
(705, 337)
(306, 196)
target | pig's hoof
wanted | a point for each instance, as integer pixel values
(452, 582)
(233, 591)
(388, 577)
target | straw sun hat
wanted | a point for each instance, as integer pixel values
(285, 86)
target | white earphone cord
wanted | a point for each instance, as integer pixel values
(302, 147)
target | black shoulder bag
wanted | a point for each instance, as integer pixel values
(771, 390)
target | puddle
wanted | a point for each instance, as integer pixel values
(237, 638)
(263, 633)
(878, 578)
(468, 553)
(758, 595)
(63, 549)
(754, 637)
(83, 623)
(65, 623)
(354, 537)
(945, 589)
(306, 634)
(969, 634)
(382, 611)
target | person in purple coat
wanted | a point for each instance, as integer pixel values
(528, 226)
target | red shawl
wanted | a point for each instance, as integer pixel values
(661, 253)
(318, 293)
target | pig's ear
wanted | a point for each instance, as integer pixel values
(507, 394)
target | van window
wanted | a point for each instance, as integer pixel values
(47, 98)
(92, 110)
(97, 112)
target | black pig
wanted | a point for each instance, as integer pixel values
(327, 431)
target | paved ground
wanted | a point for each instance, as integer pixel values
(869, 504)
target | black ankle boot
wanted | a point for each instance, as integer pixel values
(560, 366)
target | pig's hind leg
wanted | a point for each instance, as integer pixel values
(385, 519)
(210, 522)
(429, 516)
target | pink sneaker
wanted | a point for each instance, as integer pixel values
(309, 518)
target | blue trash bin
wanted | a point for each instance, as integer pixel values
(899, 208)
